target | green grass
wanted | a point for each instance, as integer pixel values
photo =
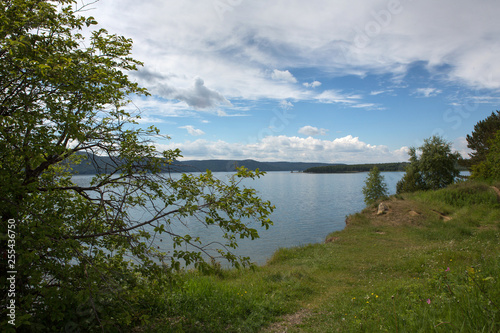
(463, 194)
(382, 274)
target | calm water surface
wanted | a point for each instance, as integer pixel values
(308, 207)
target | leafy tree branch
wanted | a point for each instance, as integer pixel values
(64, 100)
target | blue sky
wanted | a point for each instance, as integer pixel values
(318, 81)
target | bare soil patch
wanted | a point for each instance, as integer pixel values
(288, 321)
(399, 212)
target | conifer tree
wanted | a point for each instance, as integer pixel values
(375, 188)
(479, 140)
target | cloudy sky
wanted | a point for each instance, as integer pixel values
(323, 81)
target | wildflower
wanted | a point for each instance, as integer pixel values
(428, 301)
(447, 269)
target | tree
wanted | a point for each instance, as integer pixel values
(82, 252)
(375, 188)
(479, 140)
(435, 168)
(489, 168)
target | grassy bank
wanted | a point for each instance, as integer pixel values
(430, 264)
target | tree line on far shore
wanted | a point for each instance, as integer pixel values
(346, 168)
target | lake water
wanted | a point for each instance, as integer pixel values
(308, 208)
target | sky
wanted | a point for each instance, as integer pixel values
(355, 81)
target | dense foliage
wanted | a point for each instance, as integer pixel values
(375, 188)
(489, 168)
(83, 253)
(479, 140)
(344, 168)
(435, 167)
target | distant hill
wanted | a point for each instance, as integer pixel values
(345, 168)
(230, 165)
(106, 165)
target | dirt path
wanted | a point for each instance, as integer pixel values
(288, 321)
(497, 192)
(401, 212)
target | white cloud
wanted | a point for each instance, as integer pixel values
(200, 97)
(460, 145)
(347, 149)
(149, 120)
(234, 52)
(337, 96)
(313, 84)
(427, 92)
(154, 106)
(283, 76)
(378, 92)
(484, 99)
(192, 131)
(286, 105)
(312, 131)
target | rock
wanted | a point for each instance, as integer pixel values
(382, 208)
